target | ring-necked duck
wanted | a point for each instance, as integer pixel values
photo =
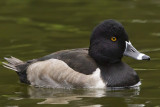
(100, 66)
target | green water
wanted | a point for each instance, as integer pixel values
(31, 29)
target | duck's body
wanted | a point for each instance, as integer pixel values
(100, 66)
(75, 69)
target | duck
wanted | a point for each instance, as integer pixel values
(99, 66)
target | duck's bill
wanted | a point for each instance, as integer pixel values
(132, 52)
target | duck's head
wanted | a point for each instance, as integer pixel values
(109, 42)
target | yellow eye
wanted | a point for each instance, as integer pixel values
(113, 39)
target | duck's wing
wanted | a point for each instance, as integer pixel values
(74, 67)
(65, 69)
(77, 59)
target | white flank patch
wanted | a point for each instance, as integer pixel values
(99, 82)
(139, 57)
(136, 85)
(54, 73)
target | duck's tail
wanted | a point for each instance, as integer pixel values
(12, 63)
(18, 66)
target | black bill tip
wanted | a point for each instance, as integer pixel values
(145, 57)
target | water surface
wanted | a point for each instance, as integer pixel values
(31, 29)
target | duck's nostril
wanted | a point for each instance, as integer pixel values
(132, 50)
(145, 57)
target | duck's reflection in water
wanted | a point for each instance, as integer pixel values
(64, 96)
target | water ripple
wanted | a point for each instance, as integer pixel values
(156, 34)
(45, 26)
(138, 21)
(142, 21)
(63, 96)
(150, 50)
(142, 69)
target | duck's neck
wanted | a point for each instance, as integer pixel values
(118, 75)
(102, 58)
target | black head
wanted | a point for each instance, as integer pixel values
(107, 42)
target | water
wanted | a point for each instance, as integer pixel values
(31, 29)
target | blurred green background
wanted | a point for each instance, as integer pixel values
(34, 28)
